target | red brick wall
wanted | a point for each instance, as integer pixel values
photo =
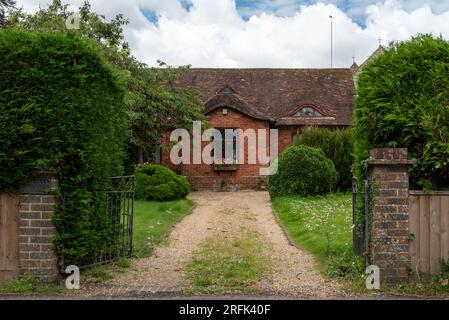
(285, 135)
(203, 176)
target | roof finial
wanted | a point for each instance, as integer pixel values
(380, 41)
(353, 59)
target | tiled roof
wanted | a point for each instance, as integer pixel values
(274, 94)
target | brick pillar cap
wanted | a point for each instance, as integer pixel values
(389, 156)
(40, 184)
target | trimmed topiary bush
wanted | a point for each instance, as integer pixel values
(156, 182)
(303, 171)
(62, 110)
(338, 146)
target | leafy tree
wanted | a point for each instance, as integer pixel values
(5, 6)
(154, 100)
(403, 101)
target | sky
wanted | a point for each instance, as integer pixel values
(266, 33)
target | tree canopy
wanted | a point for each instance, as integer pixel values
(5, 7)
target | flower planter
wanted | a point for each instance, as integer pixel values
(225, 167)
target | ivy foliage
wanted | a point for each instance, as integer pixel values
(303, 170)
(403, 102)
(62, 110)
(338, 146)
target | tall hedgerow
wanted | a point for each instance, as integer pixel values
(338, 146)
(61, 110)
(403, 102)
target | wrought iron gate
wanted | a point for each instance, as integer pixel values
(120, 206)
(118, 197)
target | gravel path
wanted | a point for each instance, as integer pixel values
(226, 215)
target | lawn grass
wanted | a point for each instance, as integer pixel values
(153, 222)
(29, 285)
(323, 226)
(223, 265)
(320, 224)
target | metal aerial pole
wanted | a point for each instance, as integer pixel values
(332, 40)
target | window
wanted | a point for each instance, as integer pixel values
(230, 143)
(295, 137)
(307, 112)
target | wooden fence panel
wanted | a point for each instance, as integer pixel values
(9, 235)
(414, 229)
(444, 232)
(429, 222)
(424, 252)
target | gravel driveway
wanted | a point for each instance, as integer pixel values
(224, 215)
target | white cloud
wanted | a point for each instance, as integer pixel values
(213, 34)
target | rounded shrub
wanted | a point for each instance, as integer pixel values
(303, 170)
(156, 182)
(337, 145)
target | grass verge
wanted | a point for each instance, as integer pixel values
(153, 222)
(29, 285)
(222, 265)
(105, 272)
(323, 226)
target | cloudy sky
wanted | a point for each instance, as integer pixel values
(267, 33)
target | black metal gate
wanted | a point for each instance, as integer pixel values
(120, 206)
(360, 201)
(117, 198)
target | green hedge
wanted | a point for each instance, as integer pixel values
(338, 146)
(303, 170)
(156, 182)
(61, 110)
(403, 102)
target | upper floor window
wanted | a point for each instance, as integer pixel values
(307, 112)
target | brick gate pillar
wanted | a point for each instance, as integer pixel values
(389, 245)
(36, 229)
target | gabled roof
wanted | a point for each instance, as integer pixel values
(232, 100)
(276, 93)
(376, 53)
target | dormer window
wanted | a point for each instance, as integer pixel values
(307, 112)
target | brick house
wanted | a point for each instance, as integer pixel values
(285, 99)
